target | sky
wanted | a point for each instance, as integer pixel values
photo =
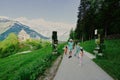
(44, 16)
(50, 10)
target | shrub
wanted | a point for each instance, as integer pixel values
(9, 45)
(45, 43)
(35, 44)
(24, 47)
(60, 48)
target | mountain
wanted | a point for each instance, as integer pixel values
(8, 26)
(5, 24)
(47, 27)
(40, 25)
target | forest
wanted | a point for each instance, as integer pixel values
(103, 15)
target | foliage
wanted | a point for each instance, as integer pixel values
(72, 34)
(32, 44)
(9, 45)
(24, 47)
(35, 44)
(97, 14)
(60, 48)
(45, 43)
(88, 45)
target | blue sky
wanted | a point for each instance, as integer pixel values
(50, 10)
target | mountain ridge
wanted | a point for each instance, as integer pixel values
(16, 27)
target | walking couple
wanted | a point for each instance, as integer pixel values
(77, 48)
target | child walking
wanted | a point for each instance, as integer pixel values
(65, 50)
(81, 56)
(77, 49)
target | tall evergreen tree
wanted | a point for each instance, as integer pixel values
(72, 34)
(80, 29)
(97, 14)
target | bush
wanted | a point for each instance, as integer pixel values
(60, 48)
(9, 45)
(35, 44)
(45, 43)
(88, 45)
(24, 47)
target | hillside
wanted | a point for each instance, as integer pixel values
(28, 66)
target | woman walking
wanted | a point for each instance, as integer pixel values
(77, 49)
(70, 47)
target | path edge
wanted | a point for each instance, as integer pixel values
(50, 73)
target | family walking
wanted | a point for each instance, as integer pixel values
(78, 50)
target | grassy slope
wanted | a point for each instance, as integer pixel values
(22, 66)
(26, 66)
(110, 63)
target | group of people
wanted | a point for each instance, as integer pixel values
(78, 50)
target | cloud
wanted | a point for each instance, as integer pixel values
(46, 27)
(4, 17)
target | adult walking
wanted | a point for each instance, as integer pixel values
(77, 49)
(70, 47)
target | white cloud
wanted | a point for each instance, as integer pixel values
(4, 17)
(46, 27)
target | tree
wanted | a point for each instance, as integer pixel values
(81, 23)
(97, 14)
(111, 11)
(72, 34)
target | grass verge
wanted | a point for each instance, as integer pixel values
(110, 62)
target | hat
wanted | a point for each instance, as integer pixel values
(71, 40)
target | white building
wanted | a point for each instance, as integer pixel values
(23, 36)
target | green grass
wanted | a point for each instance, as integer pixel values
(60, 48)
(88, 45)
(24, 48)
(111, 67)
(26, 66)
(110, 63)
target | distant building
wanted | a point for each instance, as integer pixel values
(23, 36)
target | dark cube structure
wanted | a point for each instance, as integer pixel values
(99, 49)
(54, 41)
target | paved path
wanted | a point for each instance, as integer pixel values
(24, 52)
(70, 69)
